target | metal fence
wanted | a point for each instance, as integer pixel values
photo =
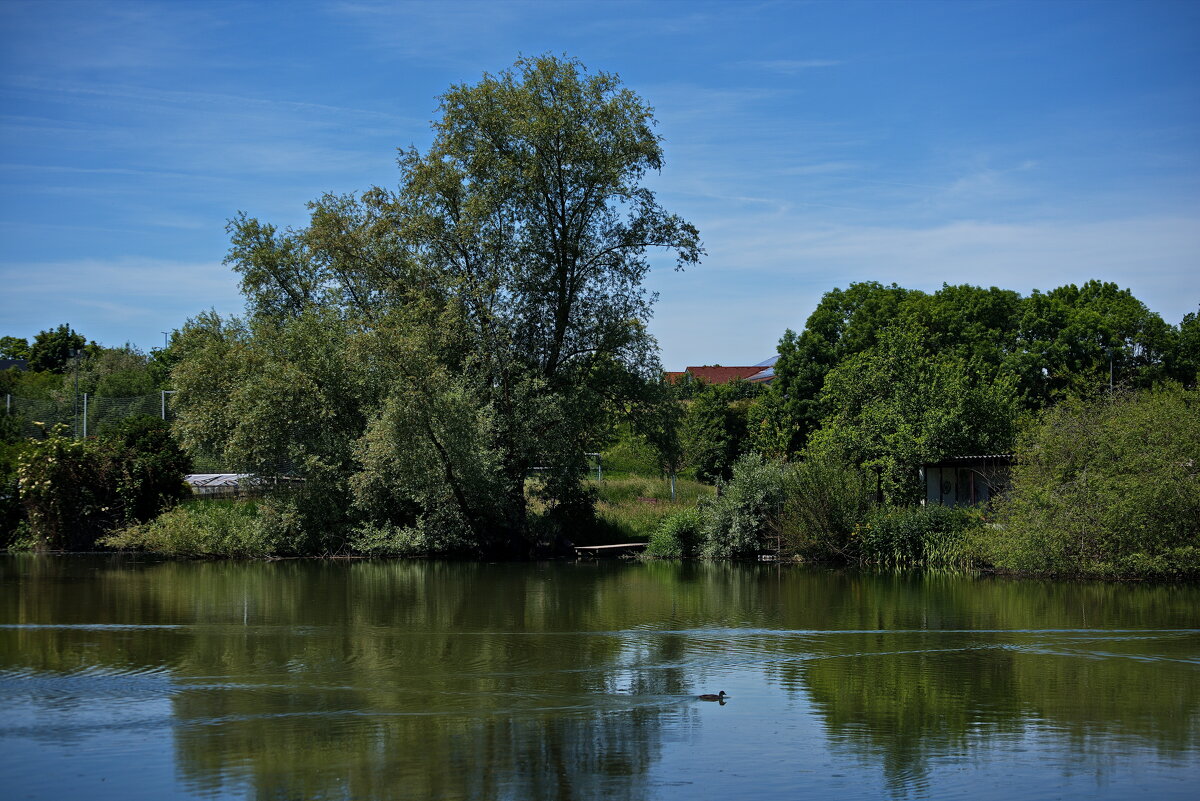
(83, 414)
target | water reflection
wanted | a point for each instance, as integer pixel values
(446, 680)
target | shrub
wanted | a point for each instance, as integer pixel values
(67, 494)
(11, 513)
(1110, 489)
(678, 536)
(73, 491)
(826, 498)
(910, 536)
(738, 522)
(149, 466)
(202, 528)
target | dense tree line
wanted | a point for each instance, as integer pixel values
(892, 377)
(435, 362)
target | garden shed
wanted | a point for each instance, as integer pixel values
(966, 480)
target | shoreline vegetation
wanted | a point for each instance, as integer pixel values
(433, 366)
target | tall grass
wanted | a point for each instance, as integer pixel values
(201, 528)
(919, 536)
(631, 509)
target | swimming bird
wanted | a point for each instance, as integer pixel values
(711, 697)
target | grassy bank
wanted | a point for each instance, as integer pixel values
(630, 509)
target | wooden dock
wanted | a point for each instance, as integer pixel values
(598, 551)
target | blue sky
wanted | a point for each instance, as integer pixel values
(1012, 144)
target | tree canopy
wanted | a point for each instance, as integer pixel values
(1068, 343)
(52, 349)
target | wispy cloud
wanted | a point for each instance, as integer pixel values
(791, 66)
(116, 300)
(144, 95)
(752, 287)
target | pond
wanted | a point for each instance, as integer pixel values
(127, 677)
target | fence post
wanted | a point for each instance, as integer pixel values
(163, 394)
(8, 403)
(85, 415)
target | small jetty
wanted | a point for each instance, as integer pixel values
(603, 551)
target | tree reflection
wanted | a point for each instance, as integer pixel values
(429, 679)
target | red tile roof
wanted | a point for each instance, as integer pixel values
(716, 374)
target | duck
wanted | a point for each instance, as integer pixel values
(711, 697)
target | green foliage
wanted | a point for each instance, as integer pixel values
(150, 465)
(30, 384)
(1110, 488)
(422, 538)
(413, 354)
(845, 322)
(1049, 347)
(897, 406)
(910, 536)
(11, 513)
(678, 536)
(1186, 364)
(66, 491)
(14, 348)
(739, 522)
(827, 496)
(430, 423)
(73, 491)
(113, 373)
(202, 528)
(632, 509)
(279, 398)
(716, 428)
(629, 455)
(1071, 336)
(52, 349)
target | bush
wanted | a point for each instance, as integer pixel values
(630, 455)
(66, 490)
(74, 491)
(909, 536)
(1109, 489)
(11, 513)
(202, 528)
(149, 464)
(677, 537)
(738, 522)
(827, 498)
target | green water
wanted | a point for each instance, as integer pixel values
(124, 678)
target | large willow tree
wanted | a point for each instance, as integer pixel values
(416, 352)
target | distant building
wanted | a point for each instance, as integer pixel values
(966, 480)
(13, 364)
(763, 372)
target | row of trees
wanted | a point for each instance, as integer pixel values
(415, 354)
(892, 377)
(61, 362)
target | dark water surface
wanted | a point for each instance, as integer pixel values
(134, 678)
